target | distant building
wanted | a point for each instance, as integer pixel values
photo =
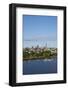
(39, 49)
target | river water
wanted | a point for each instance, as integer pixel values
(43, 66)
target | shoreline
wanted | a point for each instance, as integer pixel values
(38, 58)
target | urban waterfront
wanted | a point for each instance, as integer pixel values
(39, 45)
(39, 53)
(39, 60)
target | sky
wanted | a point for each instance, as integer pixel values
(40, 30)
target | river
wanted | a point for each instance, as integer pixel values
(43, 66)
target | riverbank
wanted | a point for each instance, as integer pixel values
(48, 54)
(36, 58)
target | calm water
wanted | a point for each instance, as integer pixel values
(43, 66)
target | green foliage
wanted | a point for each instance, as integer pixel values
(47, 54)
(35, 54)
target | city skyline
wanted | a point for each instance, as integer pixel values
(40, 30)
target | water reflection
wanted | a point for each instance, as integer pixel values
(43, 66)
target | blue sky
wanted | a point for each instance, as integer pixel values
(39, 30)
